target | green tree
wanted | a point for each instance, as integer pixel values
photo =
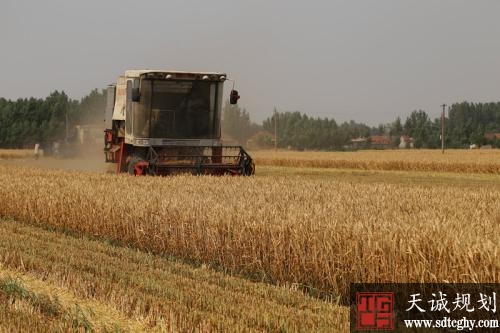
(396, 128)
(26, 121)
(300, 131)
(90, 109)
(418, 126)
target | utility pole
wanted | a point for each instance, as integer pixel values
(275, 129)
(442, 129)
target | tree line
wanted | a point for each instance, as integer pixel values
(465, 124)
(26, 121)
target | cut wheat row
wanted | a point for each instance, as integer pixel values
(123, 288)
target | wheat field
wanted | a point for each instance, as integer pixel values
(301, 234)
(315, 234)
(16, 153)
(453, 160)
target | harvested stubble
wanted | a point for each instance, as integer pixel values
(319, 234)
(137, 292)
(463, 161)
(22, 310)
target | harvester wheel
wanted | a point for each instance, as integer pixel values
(132, 163)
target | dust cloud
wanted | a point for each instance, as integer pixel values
(91, 160)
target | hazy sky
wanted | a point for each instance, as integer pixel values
(364, 60)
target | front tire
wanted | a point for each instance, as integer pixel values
(131, 164)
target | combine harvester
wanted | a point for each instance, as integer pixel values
(169, 122)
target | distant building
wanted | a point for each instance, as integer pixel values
(380, 141)
(360, 142)
(406, 142)
(492, 136)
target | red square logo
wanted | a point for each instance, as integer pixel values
(374, 311)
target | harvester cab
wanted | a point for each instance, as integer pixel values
(169, 122)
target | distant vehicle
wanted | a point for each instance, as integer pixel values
(169, 122)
